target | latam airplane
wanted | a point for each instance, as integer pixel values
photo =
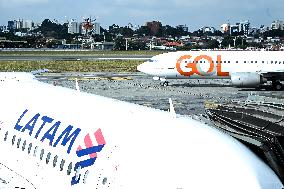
(244, 68)
(54, 137)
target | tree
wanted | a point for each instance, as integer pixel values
(119, 44)
(51, 29)
(143, 31)
(227, 41)
(213, 44)
(137, 45)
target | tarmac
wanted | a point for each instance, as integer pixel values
(188, 95)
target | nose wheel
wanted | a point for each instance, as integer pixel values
(165, 83)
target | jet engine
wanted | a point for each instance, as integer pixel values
(247, 79)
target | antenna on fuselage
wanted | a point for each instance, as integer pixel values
(172, 109)
(77, 85)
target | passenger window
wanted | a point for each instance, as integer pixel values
(62, 164)
(30, 148)
(237, 61)
(48, 157)
(41, 154)
(245, 61)
(255, 62)
(6, 136)
(229, 62)
(69, 169)
(271, 62)
(55, 160)
(24, 145)
(263, 62)
(251, 62)
(35, 151)
(224, 61)
(18, 143)
(85, 177)
(13, 139)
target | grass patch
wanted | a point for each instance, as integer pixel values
(71, 66)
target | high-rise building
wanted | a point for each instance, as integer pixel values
(234, 28)
(19, 24)
(3, 28)
(225, 28)
(11, 25)
(277, 24)
(206, 29)
(97, 28)
(244, 27)
(154, 27)
(28, 24)
(74, 27)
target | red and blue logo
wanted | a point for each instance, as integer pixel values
(90, 151)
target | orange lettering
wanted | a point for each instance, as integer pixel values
(198, 58)
(195, 69)
(189, 65)
(219, 69)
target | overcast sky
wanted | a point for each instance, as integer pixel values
(194, 13)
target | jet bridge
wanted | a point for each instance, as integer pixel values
(258, 123)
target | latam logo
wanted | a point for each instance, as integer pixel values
(90, 151)
(189, 68)
(43, 127)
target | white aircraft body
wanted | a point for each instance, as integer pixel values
(244, 68)
(55, 137)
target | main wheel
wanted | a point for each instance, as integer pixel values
(277, 85)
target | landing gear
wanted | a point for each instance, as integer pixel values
(277, 85)
(163, 80)
(165, 83)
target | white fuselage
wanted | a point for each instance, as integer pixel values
(212, 64)
(44, 130)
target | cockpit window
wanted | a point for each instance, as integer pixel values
(152, 60)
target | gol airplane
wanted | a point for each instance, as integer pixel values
(244, 68)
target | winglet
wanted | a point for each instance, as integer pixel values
(172, 109)
(77, 85)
